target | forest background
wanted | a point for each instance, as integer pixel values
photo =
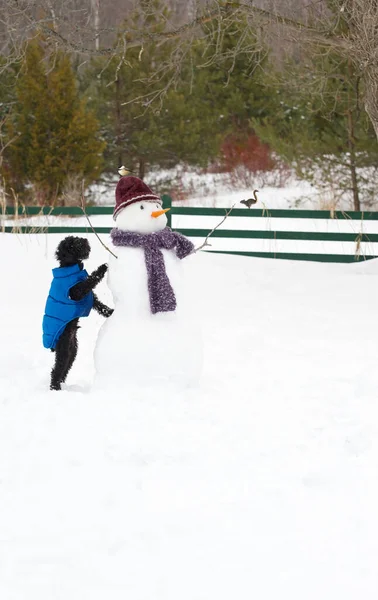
(272, 86)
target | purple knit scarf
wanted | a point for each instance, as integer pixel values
(162, 296)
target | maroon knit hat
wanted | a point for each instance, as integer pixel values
(130, 190)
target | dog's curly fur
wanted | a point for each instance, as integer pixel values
(73, 251)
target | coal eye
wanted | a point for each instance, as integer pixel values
(141, 207)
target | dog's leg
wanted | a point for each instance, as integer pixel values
(81, 289)
(65, 354)
(72, 347)
(60, 361)
(101, 308)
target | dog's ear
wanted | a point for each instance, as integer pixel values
(83, 248)
(88, 246)
(62, 252)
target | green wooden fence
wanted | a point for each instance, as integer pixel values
(357, 238)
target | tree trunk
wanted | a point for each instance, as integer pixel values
(96, 22)
(142, 168)
(371, 97)
(53, 16)
(118, 123)
(352, 162)
(352, 104)
(191, 9)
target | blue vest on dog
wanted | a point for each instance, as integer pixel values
(60, 309)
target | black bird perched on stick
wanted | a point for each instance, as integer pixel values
(250, 201)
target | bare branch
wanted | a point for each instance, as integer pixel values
(91, 226)
(205, 243)
(349, 29)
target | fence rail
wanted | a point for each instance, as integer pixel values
(357, 240)
(199, 211)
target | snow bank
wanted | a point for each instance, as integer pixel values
(261, 484)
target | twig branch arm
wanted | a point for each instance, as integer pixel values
(91, 226)
(206, 243)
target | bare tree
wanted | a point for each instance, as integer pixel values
(346, 27)
(96, 22)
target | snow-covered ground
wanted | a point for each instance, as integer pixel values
(262, 483)
(280, 188)
(190, 187)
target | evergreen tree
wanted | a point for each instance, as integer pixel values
(232, 83)
(326, 135)
(320, 125)
(7, 99)
(193, 118)
(232, 79)
(56, 136)
(142, 124)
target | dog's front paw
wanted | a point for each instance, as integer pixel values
(100, 272)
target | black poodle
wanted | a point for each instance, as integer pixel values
(66, 304)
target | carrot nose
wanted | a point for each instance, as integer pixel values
(158, 213)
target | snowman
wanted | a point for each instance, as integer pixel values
(152, 336)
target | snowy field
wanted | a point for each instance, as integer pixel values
(262, 483)
(190, 187)
(278, 189)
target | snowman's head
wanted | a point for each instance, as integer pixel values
(142, 217)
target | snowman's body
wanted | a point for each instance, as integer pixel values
(134, 345)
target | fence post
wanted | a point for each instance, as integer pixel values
(167, 203)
